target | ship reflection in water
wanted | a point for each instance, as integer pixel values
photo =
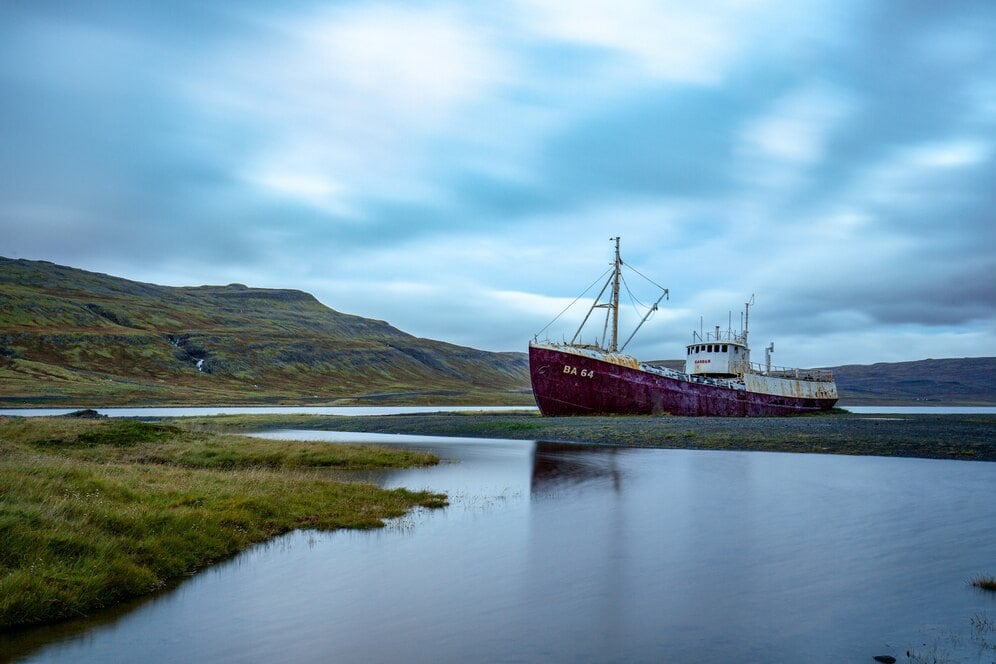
(558, 466)
(554, 552)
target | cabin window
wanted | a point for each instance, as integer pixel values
(710, 348)
(724, 348)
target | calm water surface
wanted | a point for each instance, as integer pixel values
(570, 553)
(204, 411)
(923, 410)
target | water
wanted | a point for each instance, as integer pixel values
(582, 553)
(923, 410)
(204, 411)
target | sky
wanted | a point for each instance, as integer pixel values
(457, 168)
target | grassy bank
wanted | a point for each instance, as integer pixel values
(94, 512)
(969, 437)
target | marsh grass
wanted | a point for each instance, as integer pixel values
(96, 512)
(984, 582)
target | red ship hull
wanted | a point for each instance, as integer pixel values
(570, 384)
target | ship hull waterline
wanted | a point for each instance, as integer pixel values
(570, 384)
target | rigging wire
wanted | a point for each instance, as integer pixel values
(633, 299)
(645, 276)
(583, 293)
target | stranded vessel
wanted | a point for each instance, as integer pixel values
(572, 378)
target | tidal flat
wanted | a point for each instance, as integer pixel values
(929, 436)
(96, 512)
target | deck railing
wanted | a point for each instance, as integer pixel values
(816, 375)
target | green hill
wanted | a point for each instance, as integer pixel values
(71, 337)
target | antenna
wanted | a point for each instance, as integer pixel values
(747, 316)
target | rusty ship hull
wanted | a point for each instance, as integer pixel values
(568, 380)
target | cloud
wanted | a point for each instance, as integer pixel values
(458, 168)
(346, 100)
(673, 42)
(300, 186)
(778, 149)
(670, 42)
(952, 154)
(628, 152)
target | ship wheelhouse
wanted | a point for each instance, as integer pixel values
(718, 355)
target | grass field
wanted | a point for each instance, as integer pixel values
(94, 512)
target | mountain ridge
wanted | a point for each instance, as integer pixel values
(968, 381)
(80, 337)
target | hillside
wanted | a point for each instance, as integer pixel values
(71, 337)
(968, 381)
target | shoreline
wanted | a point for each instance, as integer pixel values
(928, 436)
(432, 399)
(100, 511)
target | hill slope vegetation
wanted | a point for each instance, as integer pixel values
(965, 381)
(71, 337)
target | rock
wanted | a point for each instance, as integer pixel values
(86, 414)
(885, 659)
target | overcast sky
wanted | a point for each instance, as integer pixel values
(457, 168)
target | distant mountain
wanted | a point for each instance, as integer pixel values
(71, 337)
(965, 381)
(969, 381)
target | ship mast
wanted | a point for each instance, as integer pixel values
(611, 343)
(614, 347)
